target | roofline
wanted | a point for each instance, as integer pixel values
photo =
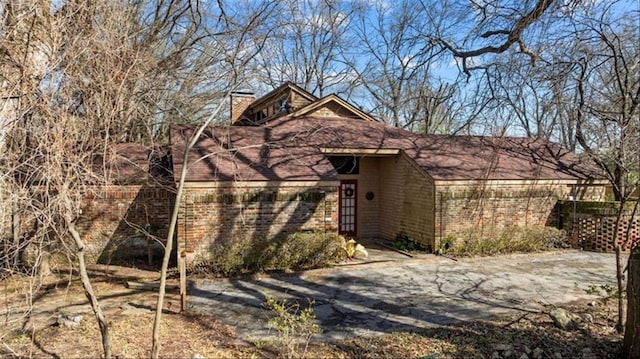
(515, 181)
(329, 98)
(360, 151)
(279, 89)
(260, 183)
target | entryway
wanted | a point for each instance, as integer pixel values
(347, 206)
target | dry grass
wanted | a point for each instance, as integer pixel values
(490, 242)
(38, 335)
(184, 336)
(480, 340)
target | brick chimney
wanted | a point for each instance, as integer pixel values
(240, 100)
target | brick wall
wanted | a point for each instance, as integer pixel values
(108, 220)
(224, 211)
(480, 205)
(115, 218)
(592, 225)
(406, 201)
(391, 196)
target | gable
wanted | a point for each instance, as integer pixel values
(332, 106)
(330, 110)
(281, 101)
(292, 101)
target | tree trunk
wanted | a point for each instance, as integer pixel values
(631, 342)
(619, 269)
(15, 233)
(620, 282)
(88, 289)
(155, 340)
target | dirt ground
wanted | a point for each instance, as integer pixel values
(30, 329)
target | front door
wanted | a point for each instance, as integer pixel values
(347, 207)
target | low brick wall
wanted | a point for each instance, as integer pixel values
(119, 222)
(592, 225)
(487, 205)
(114, 221)
(224, 212)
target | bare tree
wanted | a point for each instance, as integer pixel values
(585, 91)
(608, 125)
(496, 27)
(578, 81)
(304, 46)
(80, 77)
(395, 73)
(245, 36)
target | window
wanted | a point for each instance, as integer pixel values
(345, 165)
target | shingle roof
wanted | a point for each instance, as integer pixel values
(245, 153)
(500, 158)
(125, 163)
(289, 149)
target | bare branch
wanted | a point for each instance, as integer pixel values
(513, 36)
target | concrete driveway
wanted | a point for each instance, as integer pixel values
(394, 293)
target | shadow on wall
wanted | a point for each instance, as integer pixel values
(126, 225)
(483, 207)
(249, 224)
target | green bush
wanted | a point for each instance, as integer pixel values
(505, 240)
(297, 251)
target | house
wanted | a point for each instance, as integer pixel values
(126, 217)
(292, 162)
(289, 161)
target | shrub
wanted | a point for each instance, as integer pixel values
(295, 327)
(505, 240)
(301, 250)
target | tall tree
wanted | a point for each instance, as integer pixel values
(246, 32)
(608, 113)
(80, 77)
(578, 81)
(303, 47)
(395, 73)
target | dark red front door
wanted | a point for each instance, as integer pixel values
(347, 207)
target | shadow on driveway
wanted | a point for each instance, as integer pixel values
(407, 295)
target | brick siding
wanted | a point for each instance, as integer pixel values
(483, 205)
(406, 201)
(368, 210)
(114, 221)
(108, 222)
(592, 225)
(244, 209)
